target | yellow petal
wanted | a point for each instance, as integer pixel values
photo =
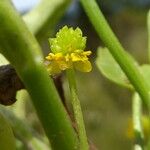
(75, 57)
(47, 57)
(78, 57)
(59, 62)
(87, 53)
(53, 68)
(83, 66)
(59, 56)
(67, 57)
(50, 56)
(63, 65)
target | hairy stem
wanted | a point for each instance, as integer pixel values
(77, 111)
(137, 124)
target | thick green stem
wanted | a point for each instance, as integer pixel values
(148, 26)
(126, 63)
(19, 46)
(137, 124)
(77, 111)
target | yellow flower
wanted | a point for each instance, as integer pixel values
(68, 52)
(59, 62)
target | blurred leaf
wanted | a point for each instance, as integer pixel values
(112, 71)
(37, 144)
(24, 132)
(49, 12)
(110, 68)
(7, 140)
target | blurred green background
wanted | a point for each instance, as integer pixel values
(106, 106)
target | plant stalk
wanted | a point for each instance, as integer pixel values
(148, 27)
(20, 47)
(77, 110)
(110, 40)
(137, 122)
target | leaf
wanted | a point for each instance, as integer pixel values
(110, 68)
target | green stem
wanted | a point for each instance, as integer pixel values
(19, 46)
(148, 26)
(137, 124)
(126, 63)
(77, 110)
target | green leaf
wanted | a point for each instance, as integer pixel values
(7, 140)
(110, 68)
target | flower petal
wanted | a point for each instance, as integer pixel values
(63, 65)
(83, 66)
(53, 68)
(59, 62)
(75, 57)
